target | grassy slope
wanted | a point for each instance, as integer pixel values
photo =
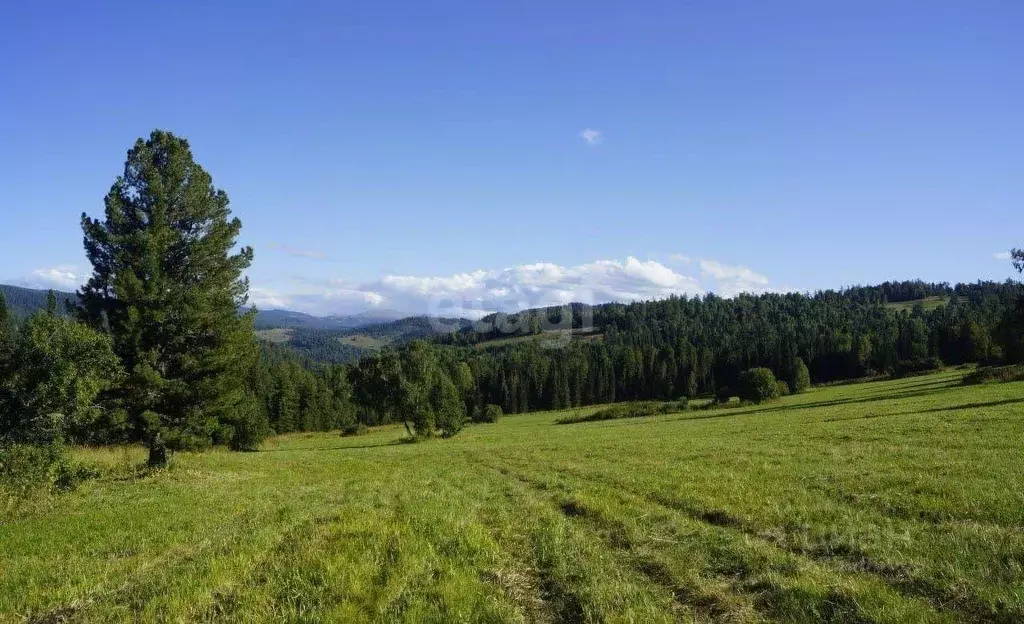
(888, 501)
(277, 336)
(363, 341)
(928, 303)
(555, 336)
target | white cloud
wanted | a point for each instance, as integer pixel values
(681, 258)
(1002, 255)
(477, 293)
(63, 277)
(480, 292)
(732, 280)
(591, 136)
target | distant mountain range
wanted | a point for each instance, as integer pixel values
(333, 339)
(290, 319)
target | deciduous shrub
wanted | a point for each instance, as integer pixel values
(249, 431)
(800, 377)
(489, 414)
(995, 374)
(906, 368)
(757, 385)
(627, 410)
(354, 429)
(782, 388)
(449, 409)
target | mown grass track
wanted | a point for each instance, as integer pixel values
(887, 501)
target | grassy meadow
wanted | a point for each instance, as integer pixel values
(888, 501)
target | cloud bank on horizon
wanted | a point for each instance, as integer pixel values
(481, 292)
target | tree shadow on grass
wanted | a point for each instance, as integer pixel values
(934, 410)
(331, 448)
(931, 387)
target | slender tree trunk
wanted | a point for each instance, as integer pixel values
(157, 452)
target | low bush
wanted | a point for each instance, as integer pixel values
(28, 469)
(758, 385)
(354, 429)
(995, 374)
(627, 410)
(782, 388)
(920, 366)
(800, 377)
(489, 414)
(30, 472)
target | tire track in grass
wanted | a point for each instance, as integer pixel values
(521, 582)
(687, 599)
(224, 599)
(563, 585)
(964, 605)
(836, 606)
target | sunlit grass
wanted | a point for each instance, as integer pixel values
(887, 501)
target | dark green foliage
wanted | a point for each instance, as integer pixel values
(723, 394)
(413, 386)
(167, 287)
(1011, 329)
(249, 430)
(52, 372)
(995, 374)
(447, 405)
(488, 414)
(27, 470)
(758, 385)
(781, 388)
(354, 429)
(634, 409)
(918, 366)
(296, 395)
(691, 347)
(800, 377)
(23, 302)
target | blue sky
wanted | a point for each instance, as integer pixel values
(418, 156)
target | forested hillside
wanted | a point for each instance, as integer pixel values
(22, 302)
(699, 346)
(347, 346)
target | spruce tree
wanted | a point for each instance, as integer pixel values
(167, 287)
(5, 324)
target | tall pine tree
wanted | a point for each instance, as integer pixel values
(167, 287)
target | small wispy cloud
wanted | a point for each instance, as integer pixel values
(680, 258)
(591, 136)
(296, 252)
(1002, 255)
(732, 280)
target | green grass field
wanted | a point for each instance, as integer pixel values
(892, 501)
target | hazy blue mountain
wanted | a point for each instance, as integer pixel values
(289, 319)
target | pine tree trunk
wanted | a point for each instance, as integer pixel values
(157, 452)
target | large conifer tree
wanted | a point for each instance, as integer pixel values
(167, 284)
